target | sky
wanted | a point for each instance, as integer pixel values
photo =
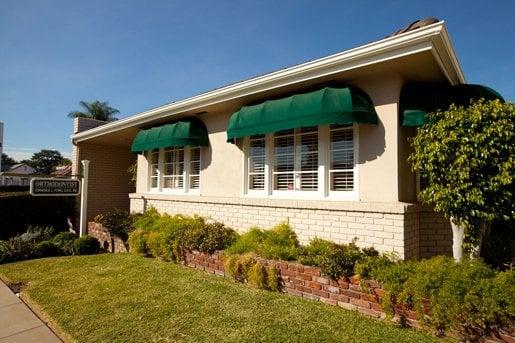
(141, 54)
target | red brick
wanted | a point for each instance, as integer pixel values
(310, 296)
(369, 297)
(360, 303)
(369, 312)
(328, 301)
(315, 285)
(350, 293)
(507, 338)
(355, 280)
(293, 292)
(376, 306)
(283, 266)
(303, 276)
(339, 297)
(321, 293)
(304, 289)
(312, 271)
(356, 288)
(343, 284)
(332, 289)
(379, 292)
(322, 280)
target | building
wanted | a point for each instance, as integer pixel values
(1, 143)
(323, 144)
(63, 171)
(18, 175)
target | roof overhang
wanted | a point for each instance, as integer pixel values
(432, 39)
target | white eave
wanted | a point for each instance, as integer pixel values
(434, 38)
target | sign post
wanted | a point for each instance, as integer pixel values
(84, 199)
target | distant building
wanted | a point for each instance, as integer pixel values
(18, 175)
(62, 171)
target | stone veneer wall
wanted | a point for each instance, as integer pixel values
(386, 226)
(108, 242)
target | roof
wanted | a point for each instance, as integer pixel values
(433, 38)
(62, 170)
(20, 169)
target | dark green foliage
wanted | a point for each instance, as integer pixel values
(335, 260)
(468, 157)
(468, 296)
(20, 210)
(15, 249)
(46, 249)
(45, 161)
(65, 240)
(496, 247)
(278, 243)
(86, 245)
(37, 234)
(119, 223)
(13, 189)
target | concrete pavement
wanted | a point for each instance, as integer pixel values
(18, 323)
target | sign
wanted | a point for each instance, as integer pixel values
(54, 187)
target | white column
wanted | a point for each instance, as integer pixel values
(84, 199)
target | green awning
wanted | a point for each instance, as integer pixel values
(179, 134)
(419, 99)
(326, 106)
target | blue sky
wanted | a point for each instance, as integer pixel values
(142, 54)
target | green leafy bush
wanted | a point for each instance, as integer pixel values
(46, 249)
(119, 223)
(278, 243)
(335, 260)
(147, 220)
(468, 296)
(65, 240)
(157, 245)
(86, 245)
(15, 249)
(35, 234)
(138, 242)
(247, 268)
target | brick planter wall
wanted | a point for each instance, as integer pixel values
(308, 282)
(109, 243)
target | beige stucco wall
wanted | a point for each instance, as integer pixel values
(222, 162)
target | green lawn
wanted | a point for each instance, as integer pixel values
(126, 298)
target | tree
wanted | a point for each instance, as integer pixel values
(7, 162)
(95, 110)
(467, 155)
(45, 161)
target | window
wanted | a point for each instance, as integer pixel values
(296, 160)
(314, 161)
(341, 172)
(154, 168)
(175, 170)
(256, 163)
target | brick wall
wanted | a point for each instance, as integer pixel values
(108, 242)
(307, 282)
(435, 234)
(383, 226)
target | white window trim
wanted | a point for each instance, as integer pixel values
(185, 190)
(323, 171)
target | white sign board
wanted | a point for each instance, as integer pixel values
(54, 187)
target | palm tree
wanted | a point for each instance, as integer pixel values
(95, 110)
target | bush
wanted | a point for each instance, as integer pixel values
(335, 260)
(86, 245)
(147, 220)
(207, 238)
(278, 243)
(20, 210)
(157, 245)
(246, 268)
(15, 249)
(118, 223)
(468, 297)
(46, 249)
(138, 242)
(65, 240)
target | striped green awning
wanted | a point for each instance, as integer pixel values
(419, 99)
(326, 106)
(179, 134)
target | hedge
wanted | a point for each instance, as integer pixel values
(21, 210)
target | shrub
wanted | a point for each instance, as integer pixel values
(64, 240)
(279, 243)
(156, 244)
(335, 260)
(138, 242)
(147, 221)
(246, 268)
(468, 297)
(15, 249)
(86, 245)
(118, 223)
(35, 234)
(20, 210)
(46, 249)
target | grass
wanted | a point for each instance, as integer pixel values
(127, 298)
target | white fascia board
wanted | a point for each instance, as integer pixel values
(408, 43)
